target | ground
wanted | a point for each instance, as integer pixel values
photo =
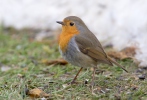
(22, 69)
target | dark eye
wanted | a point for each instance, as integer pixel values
(71, 23)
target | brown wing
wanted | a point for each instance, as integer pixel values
(92, 48)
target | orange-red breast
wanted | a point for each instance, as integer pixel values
(80, 47)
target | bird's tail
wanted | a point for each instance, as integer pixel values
(111, 60)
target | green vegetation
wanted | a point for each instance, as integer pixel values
(23, 56)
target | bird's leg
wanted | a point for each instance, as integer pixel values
(93, 77)
(73, 81)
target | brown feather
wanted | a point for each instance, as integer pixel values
(117, 64)
(94, 51)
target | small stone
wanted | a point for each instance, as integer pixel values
(86, 81)
(142, 77)
(145, 67)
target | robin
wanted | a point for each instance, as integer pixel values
(80, 47)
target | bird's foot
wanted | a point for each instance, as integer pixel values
(73, 82)
(92, 86)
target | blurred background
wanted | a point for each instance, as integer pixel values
(120, 23)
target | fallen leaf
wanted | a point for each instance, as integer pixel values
(129, 51)
(134, 87)
(126, 53)
(116, 55)
(37, 93)
(55, 62)
(134, 77)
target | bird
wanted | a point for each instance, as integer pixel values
(80, 47)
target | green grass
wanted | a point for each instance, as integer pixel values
(24, 57)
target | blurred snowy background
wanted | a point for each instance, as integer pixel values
(122, 23)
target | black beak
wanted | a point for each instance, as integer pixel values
(60, 22)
